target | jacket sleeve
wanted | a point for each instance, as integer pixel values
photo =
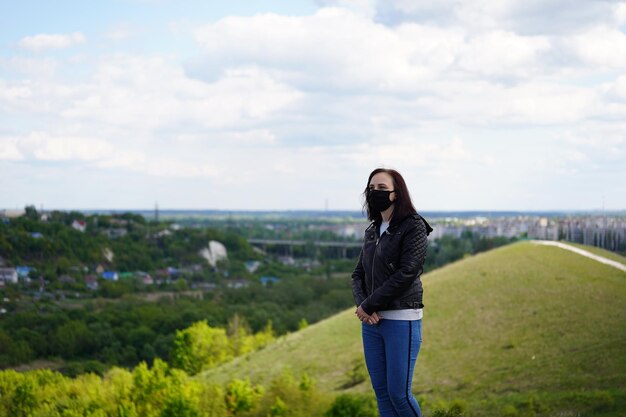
(412, 255)
(358, 281)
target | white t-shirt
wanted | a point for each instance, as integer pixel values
(383, 227)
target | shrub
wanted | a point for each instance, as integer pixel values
(353, 405)
(241, 396)
(457, 408)
(357, 374)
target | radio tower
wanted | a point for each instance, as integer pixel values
(156, 212)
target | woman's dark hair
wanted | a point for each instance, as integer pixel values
(403, 204)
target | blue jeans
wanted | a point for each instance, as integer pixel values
(391, 349)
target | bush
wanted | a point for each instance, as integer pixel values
(73, 369)
(357, 374)
(353, 405)
(457, 408)
(509, 411)
(241, 396)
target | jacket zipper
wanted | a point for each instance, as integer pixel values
(373, 258)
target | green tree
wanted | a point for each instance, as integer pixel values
(200, 347)
(31, 213)
(72, 339)
(241, 395)
(239, 334)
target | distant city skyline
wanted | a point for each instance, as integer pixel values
(269, 105)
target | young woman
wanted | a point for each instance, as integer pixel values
(388, 292)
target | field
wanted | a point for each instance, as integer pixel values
(520, 330)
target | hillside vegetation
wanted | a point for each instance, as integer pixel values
(520, 330)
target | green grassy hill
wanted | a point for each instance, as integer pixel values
(518, 330)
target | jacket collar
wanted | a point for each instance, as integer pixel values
(395, 222)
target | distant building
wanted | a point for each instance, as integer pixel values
(265, 279)
(164, 232)
(190, 269)
(204, 286)
(23, 271)
(110, 275)
(119, 222)
(252, 266)
(237, 283)
(66, 279)
(91, 282)
(287, 260)
(8, 275)
(11, 214)
(144, 277)
(116, 233)
(36, 235)
(79, 225)
(126, 275)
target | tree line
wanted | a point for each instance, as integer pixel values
(100, 333)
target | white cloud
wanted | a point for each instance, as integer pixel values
(121, 31)
(100, 154)
(598, 140)
(43, 146)
(155, 166)
(157, 93)
(520, 16)
(503, 53)
(51, 41)
(602, 47)
(339, 50)
(366, 8)
(250, 137)
(31, 67)
(334, 48)
(9, 150)
(14, 92)
(620, 13)
(617, 89)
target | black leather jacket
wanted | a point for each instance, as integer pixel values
(387, 275)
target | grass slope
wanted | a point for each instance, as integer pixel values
(520, 320)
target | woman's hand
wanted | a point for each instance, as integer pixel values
(366, 318)
(375, 318)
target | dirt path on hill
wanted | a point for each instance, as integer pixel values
(582, 252)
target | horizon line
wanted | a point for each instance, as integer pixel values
(321, 210)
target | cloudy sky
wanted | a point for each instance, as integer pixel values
(246, 104)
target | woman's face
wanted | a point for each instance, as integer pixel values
(383, 181)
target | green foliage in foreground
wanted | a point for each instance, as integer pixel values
(159, 391)
(200, 346)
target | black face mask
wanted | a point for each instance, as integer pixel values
(379, 199)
